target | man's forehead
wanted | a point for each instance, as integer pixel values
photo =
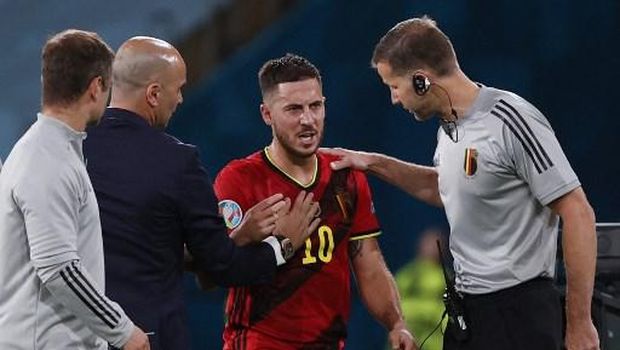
(385, 71)
(303, 90)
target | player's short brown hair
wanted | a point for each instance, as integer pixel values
(414, 44)
(70, 61)
(285, 69)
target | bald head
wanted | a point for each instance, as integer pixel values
(142, 60)
(147, 77)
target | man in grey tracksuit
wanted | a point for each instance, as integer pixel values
(51, 252)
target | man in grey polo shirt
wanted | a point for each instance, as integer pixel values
(51, 251)
(504, 182)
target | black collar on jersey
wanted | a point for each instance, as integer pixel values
(277, 169)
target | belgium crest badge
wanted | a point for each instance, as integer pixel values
(470, 164)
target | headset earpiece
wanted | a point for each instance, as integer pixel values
(421, 84)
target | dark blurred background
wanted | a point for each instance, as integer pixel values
(563, 56)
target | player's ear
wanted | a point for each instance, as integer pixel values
(266, 114)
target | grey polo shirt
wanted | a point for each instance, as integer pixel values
(51, 249)
(495, 184)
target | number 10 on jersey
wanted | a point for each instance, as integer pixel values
(325, 248)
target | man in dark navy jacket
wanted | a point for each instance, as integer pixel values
(155, 199)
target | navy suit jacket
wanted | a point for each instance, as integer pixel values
(154, 196)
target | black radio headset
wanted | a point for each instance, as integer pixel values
(421, 84)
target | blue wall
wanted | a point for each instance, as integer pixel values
(26, 25)
(560, 55)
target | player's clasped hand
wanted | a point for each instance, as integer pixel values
(260, 220)
(300, 221)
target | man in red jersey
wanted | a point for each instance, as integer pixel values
(307, 305)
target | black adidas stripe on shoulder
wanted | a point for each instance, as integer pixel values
(527, 126)
(522, 131)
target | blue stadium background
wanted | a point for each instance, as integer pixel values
(561, 55)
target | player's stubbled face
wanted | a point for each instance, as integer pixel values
(298, 115)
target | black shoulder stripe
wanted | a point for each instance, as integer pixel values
(95, 292)
(518, 136)
(527, 126)
(64, 276)
(524, 135)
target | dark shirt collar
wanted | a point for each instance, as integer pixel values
(124, 115)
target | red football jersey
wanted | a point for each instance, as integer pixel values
(308, 302)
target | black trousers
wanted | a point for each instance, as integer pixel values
(524, 317)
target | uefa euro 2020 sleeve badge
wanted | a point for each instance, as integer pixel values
(232, 213)
(470, 165)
